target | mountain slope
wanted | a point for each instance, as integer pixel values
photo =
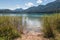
(50, 7)
(34, 9)
(5, 11)
(18, 10)
(11, 11)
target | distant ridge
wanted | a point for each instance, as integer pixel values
(50, 7)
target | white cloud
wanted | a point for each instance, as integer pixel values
(18, 6)
(39, 1)
(12, 8)
(29, 4)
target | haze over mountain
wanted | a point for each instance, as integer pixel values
(50, 7)
(11, 11)
(18, 10)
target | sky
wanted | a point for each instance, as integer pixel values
(14, 4)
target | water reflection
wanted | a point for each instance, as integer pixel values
(32, 23)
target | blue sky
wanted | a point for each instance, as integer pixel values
(13, 4)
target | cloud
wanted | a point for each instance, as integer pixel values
(15, 7)
(11, 8)
(39, 1)
(18, 6)
(29, 4)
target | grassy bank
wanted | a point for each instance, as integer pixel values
(51, 26)
(9, 27)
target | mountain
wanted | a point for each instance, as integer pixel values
(50, 7)
(34, 9)
(58, 0)
(18, 10)
(5, 11)
(11, 11)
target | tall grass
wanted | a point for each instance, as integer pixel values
(9, 27)
(51, 26)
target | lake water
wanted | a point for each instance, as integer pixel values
(32, 22)
(21, 14)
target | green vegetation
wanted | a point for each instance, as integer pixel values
(51, 26)
(9, 27)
